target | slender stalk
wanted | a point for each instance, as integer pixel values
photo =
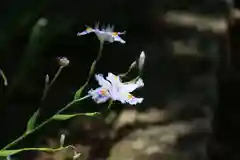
(47, 86)
(93, 66)
(55, 76)
(100, 50)
(95, 61)
(126, 73)
(64, 108)
(43, 123)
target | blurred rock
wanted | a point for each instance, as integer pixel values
(161, 142)
(130, 117)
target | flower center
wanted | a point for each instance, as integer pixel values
(103, 92)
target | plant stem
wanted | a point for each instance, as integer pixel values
(95, 62)
(47, 86)
(43, 123)
(55, 76)
(100, 50)
(93, 66)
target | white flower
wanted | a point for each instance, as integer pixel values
(105, 34)
(113, 88)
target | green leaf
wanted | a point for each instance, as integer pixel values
(62, 117)
(79, 92)
(32, 121)
(5, 153)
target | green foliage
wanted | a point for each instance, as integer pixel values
(5, 153)
(37, 41)
(62, 117)
(32, 121)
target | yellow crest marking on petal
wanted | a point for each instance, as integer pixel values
(89, 29)
(115, 77)
(114, 33)
(130, 96)
(103, 92)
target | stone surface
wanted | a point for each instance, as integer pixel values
(163, 141)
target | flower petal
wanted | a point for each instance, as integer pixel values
(109, 28)
(101, 81)
(114, 93)
(115, 80)
(135, 101)
(96, 25)
(99, 95)
(104, 36)
(129, 87)
(129, 98)
(87, 31)
(118, 39)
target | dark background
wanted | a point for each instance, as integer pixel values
(26, 58)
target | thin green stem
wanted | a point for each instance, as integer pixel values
(64, 108)
(126, 73)
(110, 104)
(93, 66)
(43, 123)
(95, 62)
(55, 76)
(100, 50)
(47, 86)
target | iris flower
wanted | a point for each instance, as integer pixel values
(112, 88)
(104, 34)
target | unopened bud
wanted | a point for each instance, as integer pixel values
(63, 61)
(141, 60)
(47, 79)
(76, 155)
(62, 140)
(42, 22)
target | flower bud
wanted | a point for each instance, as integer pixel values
(42, 22)
(62, 140)
(63, 61)
(141, 60)
(76, 155)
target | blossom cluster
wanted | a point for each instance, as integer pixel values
(112, 86)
